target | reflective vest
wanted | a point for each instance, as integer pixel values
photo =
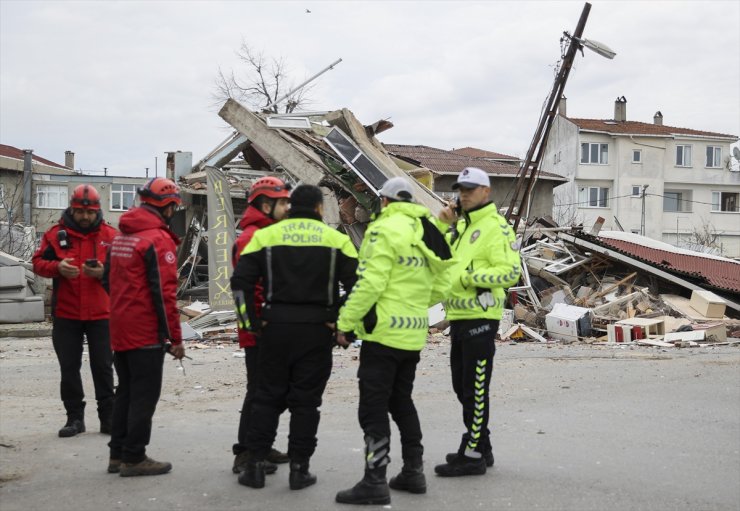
(487, 262)
(399, 277)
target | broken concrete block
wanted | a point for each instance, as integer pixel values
(22, 311)
(707, 304)
(12, 277)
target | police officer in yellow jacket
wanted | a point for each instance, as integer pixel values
(300, 262)
(403, 269)
(487, 262)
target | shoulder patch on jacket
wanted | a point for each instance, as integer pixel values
(474, 236)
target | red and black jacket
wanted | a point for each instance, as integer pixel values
(82, 298)
(141, 276)
(252, 221)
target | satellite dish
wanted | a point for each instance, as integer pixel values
(736, 153)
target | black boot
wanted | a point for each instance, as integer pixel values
(487, 455)
(484, 447)
(240, 463)
(253, 474)
(411, 478)
(72, 428)
(462, 465)
(372, 489)
(300, 477)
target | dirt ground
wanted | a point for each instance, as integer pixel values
(574, 427)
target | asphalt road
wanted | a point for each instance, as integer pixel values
(574, 428)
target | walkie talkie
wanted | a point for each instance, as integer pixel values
(62, 237)
(458, 207)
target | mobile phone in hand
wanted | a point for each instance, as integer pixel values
(92, 263)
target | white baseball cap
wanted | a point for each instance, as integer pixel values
(397, 188)
(471, 177)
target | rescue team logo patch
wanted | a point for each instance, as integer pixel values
(474, 236)
(170, 257)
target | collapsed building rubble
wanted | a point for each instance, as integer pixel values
(576, 286)
(618, 287)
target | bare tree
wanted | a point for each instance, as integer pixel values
(706, 235)
(565, 209)
(16, 238)
(259, 82)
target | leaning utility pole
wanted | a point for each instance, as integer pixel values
(530, 168)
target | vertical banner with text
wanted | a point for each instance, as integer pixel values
(220, 240)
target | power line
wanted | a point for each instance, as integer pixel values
(637, 197)
(681, 200)
(588, 201)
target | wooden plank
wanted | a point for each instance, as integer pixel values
(635, 263)
(654, 342)
(255, 129)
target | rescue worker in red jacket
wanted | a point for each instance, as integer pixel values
(73, 253)
(268, 199)
(141, 276)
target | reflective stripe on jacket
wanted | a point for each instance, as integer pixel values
(487, 263)
(399, 278)
(301, 262)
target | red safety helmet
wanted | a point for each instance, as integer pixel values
(85, 197)
(272, 187)
(160, 192)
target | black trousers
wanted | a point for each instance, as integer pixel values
(67, 336)
(295, 363)
(386, 381)
(139, 386)
(251, 354)
(471, 362)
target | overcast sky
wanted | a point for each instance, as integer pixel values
(120, 83)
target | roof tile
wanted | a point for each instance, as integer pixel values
(441, 161)
(13, 152)
(719, 273)
(640, 128)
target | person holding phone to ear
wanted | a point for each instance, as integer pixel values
(72, 253)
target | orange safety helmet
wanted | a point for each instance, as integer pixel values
(85, 197)
(272, 187)
(160, 192)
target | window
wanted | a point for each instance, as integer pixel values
(714, 157)
(595, 153)
(677, 201)
(636, 156)
(51, 196)
(122, 196)
(593, 197)
(636, 191)
(683, 156)
(725, 201)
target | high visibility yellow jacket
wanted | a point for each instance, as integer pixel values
(401, 272)
(487, 262)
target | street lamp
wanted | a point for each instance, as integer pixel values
(531, 165)
(595, 46)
